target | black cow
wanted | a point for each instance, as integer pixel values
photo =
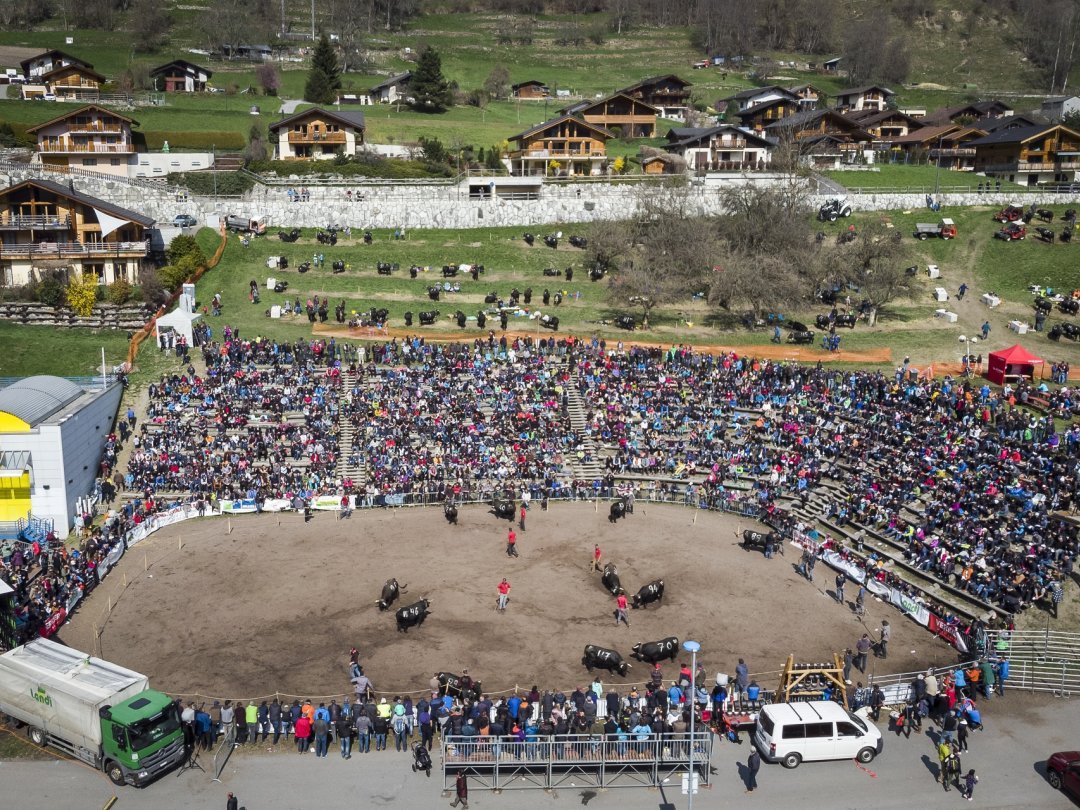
(551, 240)
(1044, 214)
(801, 338)
(491, 298)
(414, 271)
(579, 242)
(367, 237)
(551, 271)
(384, 268)
(610, 579)
(569, 273)
(427, 318)
(502, 320)
(459, 317)
(1046, 234)
(339, 266)
(1043, 304)
(433, 293)
(617, 510)
(390, 592)
(504, 510)
(529, 239)
(625, 322)
(303, 267)
(647, 594)
(408, 318)
(550, 322)
(281, 286)
(450, 513)
(653, 651)
(412, 615)
(1070, 306)
(846, 319)
(603, 658)
(378, 315)
(481, 319)
(291, 236)
(454, 685)
(752, 539)
(450, 271)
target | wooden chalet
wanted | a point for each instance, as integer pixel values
(870, 97)
(564, 146)
(746, 99)
(884, 125)
(532, 89)
(47, 227)
(48, 61)
(389, 91)
(618, 113)
(808, 96)
(723, 148)
(944, 144)
(90, 137)
(825, 138)
(669, 94)
(1029, 155)
(181, 76)
(317, 134)
(968, 113)
(761, 115)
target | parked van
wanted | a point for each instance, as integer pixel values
(790, 733)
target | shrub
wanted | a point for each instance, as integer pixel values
(153, 291)
(210, 182)
(120, 291)
(185, 245)
(81, 293)
(50, 291)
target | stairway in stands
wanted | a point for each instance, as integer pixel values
(575, 409)
(347, 434)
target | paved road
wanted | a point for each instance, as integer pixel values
(1021, 731)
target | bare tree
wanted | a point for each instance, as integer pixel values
(875, 263)
(497, 83)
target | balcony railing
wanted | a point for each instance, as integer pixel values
(1015, 166)
(60, 249)
(99, 148)
(957, 152)
(95, 126)
(557, 153)
(35, 221)
(317, 137)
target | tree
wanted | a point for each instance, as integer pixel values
(257, 147)
(150, 23)
(81, 294)
(185, 245)
(324, 80)
(428, 87)
(497, 84)
(269, 78)
(875, 263)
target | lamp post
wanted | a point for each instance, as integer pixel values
(691, 647)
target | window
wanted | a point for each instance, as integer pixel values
(795, 731)
(847, 730)
(114, 161)
(89, 162)
(766, 723)
(819, 731)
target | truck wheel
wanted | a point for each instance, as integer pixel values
(115, 773)
(921, 237)
(792, 760)
(37, 736)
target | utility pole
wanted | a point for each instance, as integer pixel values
(282, 19)
(312, 20)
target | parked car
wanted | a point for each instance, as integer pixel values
(184, 221)
(791, 733)
(1012, 232)
(1063, 772)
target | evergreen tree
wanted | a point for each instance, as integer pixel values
(324, 80)
(428, 87)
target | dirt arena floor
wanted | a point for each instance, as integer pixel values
(275, 605)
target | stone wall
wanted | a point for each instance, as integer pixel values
(105, 316)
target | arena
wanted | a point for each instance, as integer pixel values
(255, 605)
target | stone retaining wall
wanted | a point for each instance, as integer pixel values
(105, 316)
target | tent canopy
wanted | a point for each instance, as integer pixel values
(1014, 361)
(177, 321)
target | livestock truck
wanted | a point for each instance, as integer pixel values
(98, 712)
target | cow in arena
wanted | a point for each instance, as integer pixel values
(455, 686)
(647, 594)
(753, 539)
(450, 513)
(412, 615)
(602, 658)
(653, 651)
(390, 592)
(504, 510)
(610, 579)
(617, 510)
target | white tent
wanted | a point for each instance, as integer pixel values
(179, 322)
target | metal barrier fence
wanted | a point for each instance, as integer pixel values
(1039, 660)
(585, 760)
(223, 751)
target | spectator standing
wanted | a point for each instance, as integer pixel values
(883, 644)
(1002, 674)
(753, 765)
(363, 732)
(742, 675)
(970, 780)
(1057, 596)
(841, 578)
(231, 803)
(862, 649)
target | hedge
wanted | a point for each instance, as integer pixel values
(220, 140)
(388, 168)
(204, 182)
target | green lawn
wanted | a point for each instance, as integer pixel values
(64, 352)
(897, 176)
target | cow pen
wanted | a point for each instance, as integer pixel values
(578, 761)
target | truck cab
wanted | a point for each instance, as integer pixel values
(139, 737)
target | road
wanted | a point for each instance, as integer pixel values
(1020, 732)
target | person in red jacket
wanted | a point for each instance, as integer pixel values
(303, 733)
(511, 543)
(620, 608)
(504, 593)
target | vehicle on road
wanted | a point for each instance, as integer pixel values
(185, 221)
(1063, 772)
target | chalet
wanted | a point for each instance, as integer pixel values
(565, 145)
(1029, 155)
(966, 113)
(67, 83)
(392, 89)
(872, 97)
(90, 137)
(831, 65)
(46, 227)
(317, 134)
(884, 125)
(1057, 107)
(720, 148)
(625, 116)
(808, 96)
(180, 76)
(945, 145)
(669, 94)
(657, 164)
(530, 89)
(824, 137)
(36, 66)
(745, 99)
(761, 115)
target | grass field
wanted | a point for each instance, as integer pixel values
(914, 178)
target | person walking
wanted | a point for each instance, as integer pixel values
(231, 802)
(511, 543)
(841, 578)
(985, 330)
(970, 780)
(620, 608)
(883, 644)
(944, 751)
(753, 765)
(504, 594)
(960, 293)
(1057, 596)
(962, 735)
(862, 649)
(461, 791)
(521, 516)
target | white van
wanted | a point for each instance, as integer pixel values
(815, 730)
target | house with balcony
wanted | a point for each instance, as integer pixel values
(532, 89)
(1029, 155)
(808, 96)
(745, 99)
(944, 145)
(90, 137)
(317, 134)
(564, 146)
(392, 89)
(669, 94)
(761, 115)
(884, 125)
(967, 113)
(618, 113)
(723, 148)
(37, 66)
(824, 138)
(871, 97)
(48, 228)
(181, 76)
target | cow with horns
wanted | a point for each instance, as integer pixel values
(458, 686)
(390, 592)
(596, 657)
(610, 579)
(412, 615)
(653, 651)
(647, 594)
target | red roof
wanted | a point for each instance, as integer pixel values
(1017, 355)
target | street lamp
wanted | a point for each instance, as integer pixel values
(691, 647)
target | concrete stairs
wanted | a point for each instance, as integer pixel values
(347, 434)
(586, 470)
